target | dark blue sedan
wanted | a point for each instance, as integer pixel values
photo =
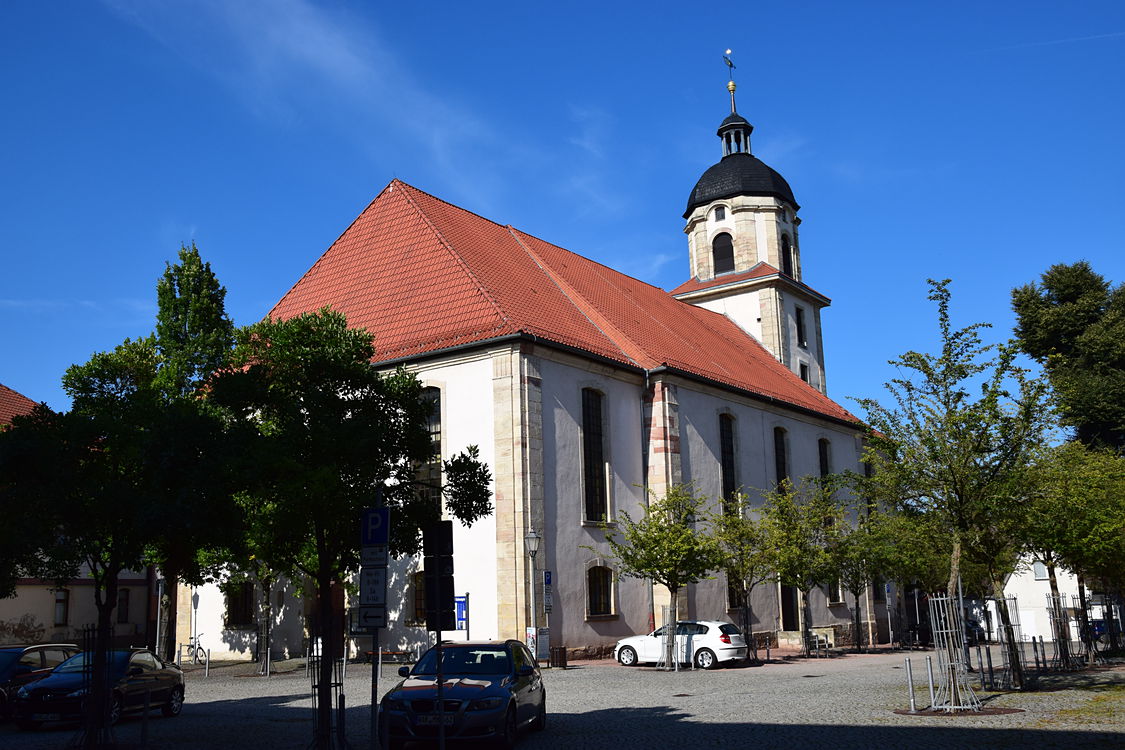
(137, 678)
(491, 690)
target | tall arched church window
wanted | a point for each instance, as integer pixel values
(722, 253)
(786, 256)
(780, 454)
(727, 463)
(428, 475)
(593, 455)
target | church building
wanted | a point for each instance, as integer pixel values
(587, 391)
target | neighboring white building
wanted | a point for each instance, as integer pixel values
(586, 389)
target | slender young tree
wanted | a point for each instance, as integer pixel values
(941, 449)
(748, 557)
(861, 549)
(666, 546)
(802, 521)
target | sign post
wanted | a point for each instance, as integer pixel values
(374, 535)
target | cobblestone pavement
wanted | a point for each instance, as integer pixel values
(843, 702)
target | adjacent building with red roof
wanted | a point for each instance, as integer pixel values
(586, 390)
(13, 404)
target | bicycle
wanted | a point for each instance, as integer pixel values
(195, 651)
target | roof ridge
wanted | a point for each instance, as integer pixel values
(456, 255)
(591, 261)
(584, 306)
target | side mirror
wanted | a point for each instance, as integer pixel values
(404, 671)
(526, 671)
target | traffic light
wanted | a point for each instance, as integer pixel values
(437, 562)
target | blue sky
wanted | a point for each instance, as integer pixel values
(978, 141)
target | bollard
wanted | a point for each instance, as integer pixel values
(767, 651)
(980, 666)
(144, 718)
(910, 687)
(930, 679)
(341, 734)
(991, 676)
(206, 662)
(1035, 654)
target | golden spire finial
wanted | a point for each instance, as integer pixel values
(730, 83)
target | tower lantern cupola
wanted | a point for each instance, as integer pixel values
(735, 130)
(744, 251)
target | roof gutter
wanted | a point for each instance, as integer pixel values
(646, 373)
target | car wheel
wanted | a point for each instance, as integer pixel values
(540, 722)
(175, 703)
(627, 656)
(705, 659)
(511, 730)
(115, 710)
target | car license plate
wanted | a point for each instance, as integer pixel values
(46, 717)
(432, 719)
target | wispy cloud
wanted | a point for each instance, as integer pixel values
(1052, 42)
(593, 129)
(293, 62)
(42, 306)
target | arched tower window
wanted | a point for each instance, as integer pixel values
(722, 253)
(786, 256)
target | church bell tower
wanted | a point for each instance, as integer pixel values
(745, 256)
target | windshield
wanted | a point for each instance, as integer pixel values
(466, 660)
(77, 663)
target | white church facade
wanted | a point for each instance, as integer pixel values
(587, 390)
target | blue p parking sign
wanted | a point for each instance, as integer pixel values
(375, 527)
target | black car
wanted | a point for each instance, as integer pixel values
(137, 676)
(491, 689)
(20, 665)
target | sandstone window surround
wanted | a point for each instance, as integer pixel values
(600, 591)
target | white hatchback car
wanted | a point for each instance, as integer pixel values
(706, 643)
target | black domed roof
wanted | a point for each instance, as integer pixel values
(739, 174)
(734, 119)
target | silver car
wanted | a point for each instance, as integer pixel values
(706, 643)
(491, 690)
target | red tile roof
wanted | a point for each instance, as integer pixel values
(13, 404)
(423, 275)
(760, 270)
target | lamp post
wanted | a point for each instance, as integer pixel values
(531, 540)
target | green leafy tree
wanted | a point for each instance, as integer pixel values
(666, 546)
(748, 557)
(861, 549)
(802, 521)
(333, 436)
(1073, 323)
(1076, 516)
(196, 476)
(194, 334)
(942, 450)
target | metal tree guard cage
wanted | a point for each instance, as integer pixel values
(953, 690)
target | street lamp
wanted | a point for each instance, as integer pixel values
(531, 540)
